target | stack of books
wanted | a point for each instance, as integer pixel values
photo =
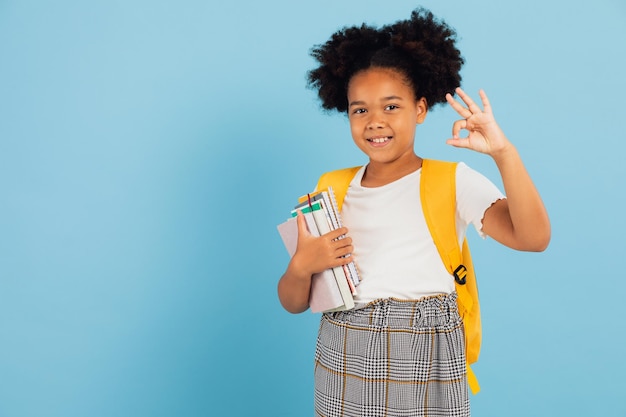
(334, 288)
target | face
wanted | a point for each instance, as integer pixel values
(383, 114)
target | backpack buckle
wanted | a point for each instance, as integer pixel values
(460, 273)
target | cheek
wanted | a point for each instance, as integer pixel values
(357, 124)
(353, 128)
(356, 133)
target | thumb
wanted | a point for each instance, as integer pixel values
(303, 229)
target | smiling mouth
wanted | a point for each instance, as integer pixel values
(380, 140)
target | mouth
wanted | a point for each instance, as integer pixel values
(379, 140)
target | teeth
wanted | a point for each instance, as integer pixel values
(379, 140)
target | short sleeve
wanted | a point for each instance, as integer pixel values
(474, 195)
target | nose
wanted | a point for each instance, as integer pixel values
(376, 121)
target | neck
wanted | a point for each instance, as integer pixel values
(381, 173)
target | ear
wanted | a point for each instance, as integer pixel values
(422, 110)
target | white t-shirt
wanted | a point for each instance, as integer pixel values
(393, 249)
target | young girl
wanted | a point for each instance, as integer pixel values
(400, 351)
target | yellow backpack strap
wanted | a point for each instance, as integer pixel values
(339, 180)
(438, 198)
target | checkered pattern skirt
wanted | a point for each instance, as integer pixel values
(392, 358)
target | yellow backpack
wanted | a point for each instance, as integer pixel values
(438, 198)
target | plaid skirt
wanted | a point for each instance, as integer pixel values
(392, 358)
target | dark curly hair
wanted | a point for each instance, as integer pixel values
(421, 48)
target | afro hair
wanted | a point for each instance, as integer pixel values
(421, 48)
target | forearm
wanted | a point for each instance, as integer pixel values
(529, 222)
(294, 288)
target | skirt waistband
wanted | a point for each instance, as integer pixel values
(428, 312)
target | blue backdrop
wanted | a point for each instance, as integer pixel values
(148, 149)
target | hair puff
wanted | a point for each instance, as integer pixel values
(421, 48)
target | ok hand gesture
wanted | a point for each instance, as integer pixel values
(485, 135)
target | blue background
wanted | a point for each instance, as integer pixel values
(148, 149)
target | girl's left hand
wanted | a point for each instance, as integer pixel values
(485, 135)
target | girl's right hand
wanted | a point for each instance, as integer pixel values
(316, 254)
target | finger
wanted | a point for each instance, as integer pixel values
(345, 251)
(342, 243)
(472, 107)
(337, 233)
(344, 259)
(458, 107)
(457, 127)
(458, 142)
(485, 100)
(340, 261)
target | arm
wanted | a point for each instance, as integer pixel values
(313, 255)
(521, 221)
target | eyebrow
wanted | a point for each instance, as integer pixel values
(361, 103)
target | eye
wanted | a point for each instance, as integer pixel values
(359, 111)
(391, 107)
